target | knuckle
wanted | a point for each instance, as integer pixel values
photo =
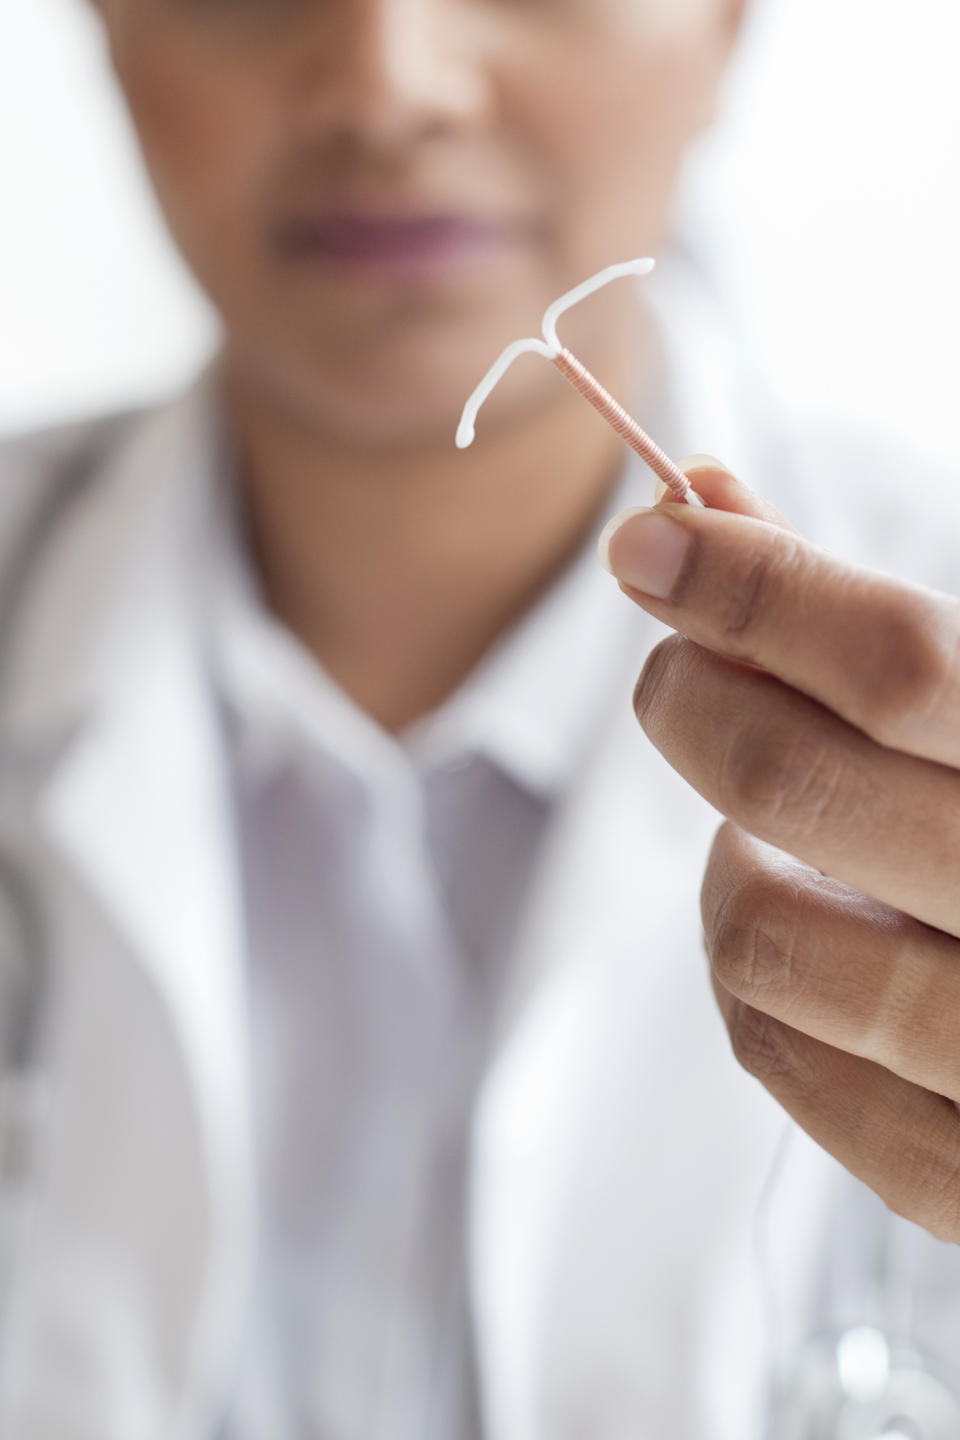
(918, 669)
(779, 778)
(914, 1029)
(759, 1043)
(924, 1187)
(754, 940)
(746, 605)
(652, 682)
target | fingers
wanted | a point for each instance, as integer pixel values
(721, 490)
(901, 1140)
(832, 963)
(791, 772)
(882, 654)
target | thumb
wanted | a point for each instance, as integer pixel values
(719, 489)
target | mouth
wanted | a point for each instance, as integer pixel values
(393, 244)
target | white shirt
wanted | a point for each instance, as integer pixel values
(383, 878)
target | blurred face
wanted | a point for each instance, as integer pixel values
(378, 195)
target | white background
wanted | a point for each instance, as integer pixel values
(830, 196)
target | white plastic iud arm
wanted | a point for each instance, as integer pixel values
(581, 379)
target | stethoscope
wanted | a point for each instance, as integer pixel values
(853, 1383)
(867, 1378)
(26, 947)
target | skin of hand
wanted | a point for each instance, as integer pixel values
(817, 706)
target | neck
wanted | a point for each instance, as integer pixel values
(398, 571)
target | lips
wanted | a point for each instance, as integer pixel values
(389, 240)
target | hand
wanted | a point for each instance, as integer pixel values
(817, 706)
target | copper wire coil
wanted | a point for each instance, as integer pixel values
(625, 426)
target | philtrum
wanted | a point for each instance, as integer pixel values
(581, 379)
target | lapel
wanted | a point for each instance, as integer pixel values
(108, 677)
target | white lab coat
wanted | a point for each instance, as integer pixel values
(618, 1153)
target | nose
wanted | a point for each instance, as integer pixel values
(381, 73)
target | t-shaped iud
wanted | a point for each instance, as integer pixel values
(581, 379)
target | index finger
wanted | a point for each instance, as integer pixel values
(720, 489)
(882, 654)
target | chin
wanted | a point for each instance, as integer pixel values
(359, 418)
(408, 394)
(397, 396)
(371, 427)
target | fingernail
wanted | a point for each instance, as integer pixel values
(703, 462)
(644, 548)
(688, 465)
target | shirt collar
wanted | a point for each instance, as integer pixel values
(279, 701)
(529, 707)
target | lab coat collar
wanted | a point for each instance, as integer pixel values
(122, 549)
(148, 729)
(123, 689)
(133, 799)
